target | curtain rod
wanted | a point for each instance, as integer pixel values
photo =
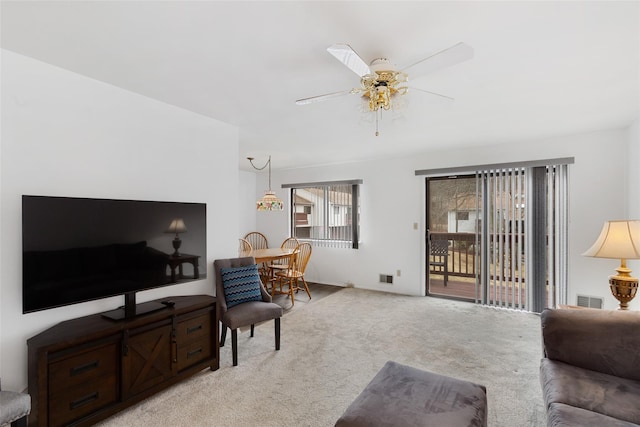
(474, 168)
(318, 184)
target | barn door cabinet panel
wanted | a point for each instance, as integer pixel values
(146, 358)
(84, 370)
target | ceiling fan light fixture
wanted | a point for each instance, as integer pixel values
(381, 83)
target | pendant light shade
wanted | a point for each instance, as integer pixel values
(269, 202)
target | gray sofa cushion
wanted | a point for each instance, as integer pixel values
(561, 415)
(400, 395)
(606, 341)
(594, 391)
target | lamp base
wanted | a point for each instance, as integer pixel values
(176, 245)
(624, 289)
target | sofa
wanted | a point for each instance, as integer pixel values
(90, 272)
(590, 372)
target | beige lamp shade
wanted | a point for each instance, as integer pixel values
(618, 239)
(177, 226)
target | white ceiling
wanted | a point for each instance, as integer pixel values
(540, 68)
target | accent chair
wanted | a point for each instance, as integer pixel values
(242, 300)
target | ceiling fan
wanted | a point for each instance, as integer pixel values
(381, 82)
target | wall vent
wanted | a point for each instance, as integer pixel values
(385, 278)
(590, 302)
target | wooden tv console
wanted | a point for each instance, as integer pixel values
(86, 369)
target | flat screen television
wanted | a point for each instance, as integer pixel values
(82, 249)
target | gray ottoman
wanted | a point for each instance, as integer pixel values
(400, 395)
(14, 408)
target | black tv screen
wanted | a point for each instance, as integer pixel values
(82, 249)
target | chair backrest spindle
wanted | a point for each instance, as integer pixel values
(257, 240)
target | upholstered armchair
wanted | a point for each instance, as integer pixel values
(242, 300)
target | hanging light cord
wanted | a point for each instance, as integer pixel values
(262, 168)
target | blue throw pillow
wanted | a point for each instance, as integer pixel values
(241, 284)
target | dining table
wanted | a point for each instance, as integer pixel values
(267, 255)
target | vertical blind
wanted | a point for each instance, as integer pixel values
(501, 237)
(558, 226)
(524, 266)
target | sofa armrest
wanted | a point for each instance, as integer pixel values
(606, 341)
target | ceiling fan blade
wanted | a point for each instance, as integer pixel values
(438, 95)
(450, 56)
(345, 54)
(311, 100)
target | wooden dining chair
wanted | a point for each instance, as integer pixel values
(294, 273)
(283, 264)
(244, 246)
(257, 240)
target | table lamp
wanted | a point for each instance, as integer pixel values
(177, 226)
(619, 239)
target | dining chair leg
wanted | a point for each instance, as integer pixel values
(234, 346)
(277, 328)
(279, 284)
(306, 287)
(291, 286)
(223, 335)
(252, 328)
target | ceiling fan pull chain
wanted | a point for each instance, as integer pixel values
(376, 113)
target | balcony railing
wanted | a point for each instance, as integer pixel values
(463, 248)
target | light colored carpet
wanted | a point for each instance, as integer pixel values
(332, 348)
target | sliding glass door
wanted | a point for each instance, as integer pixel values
(452, 233)
(482, 229)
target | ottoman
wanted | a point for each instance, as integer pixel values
(400, 395)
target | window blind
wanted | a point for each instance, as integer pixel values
(326, 213)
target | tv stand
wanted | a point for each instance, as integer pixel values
(86, 369)
(131, 309)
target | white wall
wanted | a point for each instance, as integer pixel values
(632, 192)
(247, 203)
(393, 199)
(64, 134)
(633, 180)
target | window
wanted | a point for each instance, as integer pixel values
(462, 216)
(326, 213)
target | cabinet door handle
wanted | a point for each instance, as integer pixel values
(174, 351)
(83, 400)
(77, 370)
(194, 352)
(194, 328)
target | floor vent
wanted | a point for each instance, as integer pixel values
(590, 302)
(384, 278)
